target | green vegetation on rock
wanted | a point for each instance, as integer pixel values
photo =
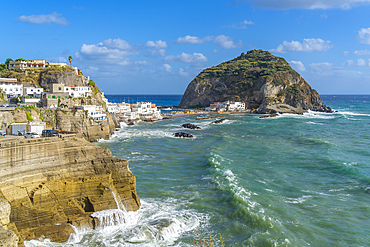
(246, 68)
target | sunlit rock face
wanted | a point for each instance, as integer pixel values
(49, 184)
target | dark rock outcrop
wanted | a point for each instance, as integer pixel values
(264, 82)
(219, 121)
(190, 126)
(183, 135)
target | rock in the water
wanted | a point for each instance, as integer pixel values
(183, 135)
(264, 82)
(190, 126)
(270, 115)
(219, 121)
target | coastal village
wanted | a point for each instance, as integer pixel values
(77, 93)
(52, 185)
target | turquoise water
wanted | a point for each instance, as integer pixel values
(286, 181)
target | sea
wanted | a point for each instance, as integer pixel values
(291, 180)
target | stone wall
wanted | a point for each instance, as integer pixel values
(51, 183)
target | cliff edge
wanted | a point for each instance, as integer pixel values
(49, 184)
(264, 82)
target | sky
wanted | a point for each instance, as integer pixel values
(159, 47)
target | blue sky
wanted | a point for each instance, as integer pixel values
(158, 47)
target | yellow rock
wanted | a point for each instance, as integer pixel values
(51, 183)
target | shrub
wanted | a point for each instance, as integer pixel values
(29, 116)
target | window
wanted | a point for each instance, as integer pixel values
(53, 96)
(60, 89)
(58, 97)
(66, 96)
(48, 97)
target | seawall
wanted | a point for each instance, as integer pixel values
(48, 184)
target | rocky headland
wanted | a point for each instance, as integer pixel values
(49, 184)
(266, 83)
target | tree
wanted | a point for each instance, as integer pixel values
(21, 59)
(70, 60)
(7, 61)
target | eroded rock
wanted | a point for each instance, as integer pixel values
(51, 183)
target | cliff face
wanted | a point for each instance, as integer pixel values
(62, 120)
(264, 82)
(66, 77)
(47, 184)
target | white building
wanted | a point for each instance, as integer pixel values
(32, 91)
(146, 110)
(131, 116)
(11, 87)
(94, 111)
(29, 64)
(31, 101)
(235, 106)
(118, 108)
(76, 92)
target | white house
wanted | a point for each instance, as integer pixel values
(236, 106)
(75, 91)
(29, 64)
(94, 111)
(146, 110)
(131, 116)
(118, 108)
(11, 87)
(32, 91)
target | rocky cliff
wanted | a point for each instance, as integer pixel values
(65, 76)
(48, 184)
(62, 120)
(264, 82)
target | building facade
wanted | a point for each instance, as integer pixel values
(11, 87)
(29, 64)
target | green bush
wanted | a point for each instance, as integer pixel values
(29, 116)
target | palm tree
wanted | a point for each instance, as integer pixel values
(70, 60)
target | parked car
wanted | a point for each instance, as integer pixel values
(49, 133)
(31, 135)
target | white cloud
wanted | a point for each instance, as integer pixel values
(349, 62)
(187, 58)
(308, 45)
(58, 60)
(321, 66)
(223, 41)
(345, 53)
(192, 40)
(44, 19)
(298, 65)
(361, 62)
(242, 25)
(226, 42)
(110, 51)
(362, 52)
(167, 68)
(182, 72)
(159, 44)
(116, 44)
(305, 4)
(364, 35)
